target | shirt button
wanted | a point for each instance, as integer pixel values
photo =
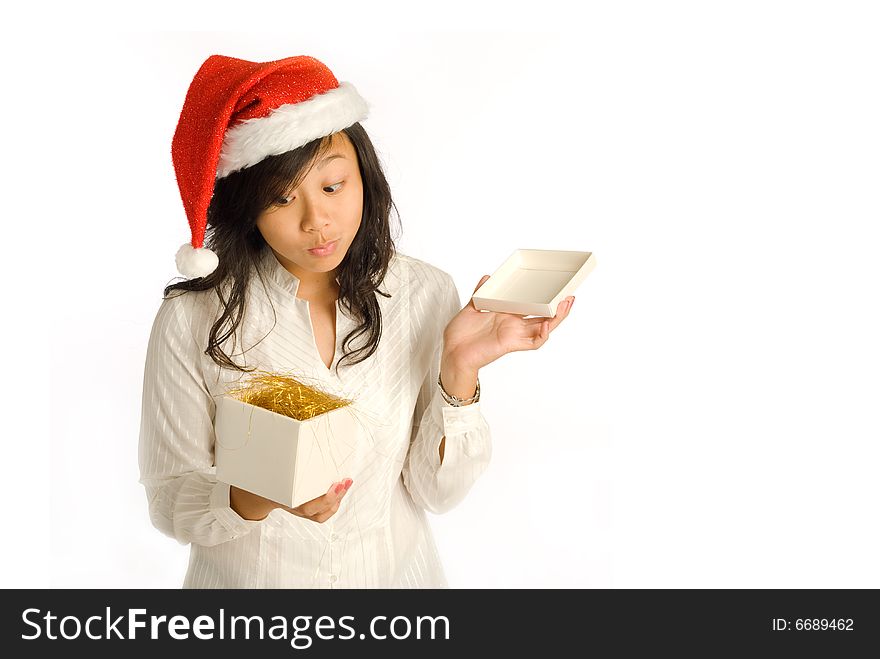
(332, 578)
(334, 537)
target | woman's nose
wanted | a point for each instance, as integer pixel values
(315, 216)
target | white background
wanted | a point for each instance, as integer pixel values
(708, 414)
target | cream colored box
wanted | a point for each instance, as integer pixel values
(279, 457)
(532, 282)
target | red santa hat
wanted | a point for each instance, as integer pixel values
(237, 113)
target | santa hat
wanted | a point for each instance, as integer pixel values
(237, 113)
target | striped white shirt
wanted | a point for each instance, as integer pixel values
(380, 537)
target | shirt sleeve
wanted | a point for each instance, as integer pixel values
(176, 444)
(438, 487)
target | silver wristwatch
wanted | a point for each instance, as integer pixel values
(455, 401)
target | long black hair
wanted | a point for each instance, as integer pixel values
(232, 233)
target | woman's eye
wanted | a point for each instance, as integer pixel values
(284, 201)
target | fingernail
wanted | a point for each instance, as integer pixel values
(348, 483)
(339, 488)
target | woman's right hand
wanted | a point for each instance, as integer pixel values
(254, 507)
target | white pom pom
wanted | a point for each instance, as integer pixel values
(195, 262)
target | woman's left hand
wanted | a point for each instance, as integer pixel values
(474, 338)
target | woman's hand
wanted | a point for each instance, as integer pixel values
(474, 338)
(254, 507)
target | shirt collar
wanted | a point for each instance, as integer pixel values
(272, 268)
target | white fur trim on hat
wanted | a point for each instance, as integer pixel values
(290, 126)
(195, 261)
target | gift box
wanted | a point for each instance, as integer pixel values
(532, 282)
(282, 458)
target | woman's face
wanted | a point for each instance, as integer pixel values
(326, 206)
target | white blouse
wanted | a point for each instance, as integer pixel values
(380, 536)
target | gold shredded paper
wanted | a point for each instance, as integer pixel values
(284, 394)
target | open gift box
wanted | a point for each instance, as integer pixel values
(532, 282)
(280, 457)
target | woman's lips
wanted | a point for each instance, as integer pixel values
(328, 249)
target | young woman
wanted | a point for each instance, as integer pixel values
(302, 273)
